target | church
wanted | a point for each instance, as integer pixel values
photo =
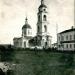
(42, 38)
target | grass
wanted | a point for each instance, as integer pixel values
(40, 62)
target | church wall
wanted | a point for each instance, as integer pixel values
(25, 43)
(23, 32)
(17, 42)
(42, 28)
(42, 23)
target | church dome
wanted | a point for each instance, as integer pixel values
(26, 25)
(42, 6)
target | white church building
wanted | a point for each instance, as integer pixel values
(23, 42)
(42, 38)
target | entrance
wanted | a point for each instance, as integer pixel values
(24, 44)
(45, 44)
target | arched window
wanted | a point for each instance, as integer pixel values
(28, 32)
(44, 9)
(67, 37)
(74, 36)
(45, 28)
(70, 37)
(24, 44)
(74, 45)
(38, 29)
(44, 17)
(66, 45)
(70, 45)
(45, 44)
(39, 18)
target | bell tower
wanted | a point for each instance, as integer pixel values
(42, 23)
(44, 39)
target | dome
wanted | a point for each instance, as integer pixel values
(42, 6)
(26, 25)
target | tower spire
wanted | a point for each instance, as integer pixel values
(26, 20)
(42, 2)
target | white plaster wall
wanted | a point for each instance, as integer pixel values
(72, 33)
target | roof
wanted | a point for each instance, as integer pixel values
(28, 37)
(26, 26)
(42, 5)
(17, 38)
(69, 30)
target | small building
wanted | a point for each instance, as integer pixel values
(66, 40)
(23, 42)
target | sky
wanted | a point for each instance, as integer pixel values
(14, 12)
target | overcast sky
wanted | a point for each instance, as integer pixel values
(13, 13)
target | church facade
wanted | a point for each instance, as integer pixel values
(42, 38)
(23, 42)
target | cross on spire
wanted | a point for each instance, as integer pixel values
(42, 1)
(26, 20)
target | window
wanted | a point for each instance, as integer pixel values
(44, 9)
(70, 37)
(45, 44)
(47, 37)
(70, 46)
(38, 29)
(74, 36)
(45, 28)
(62, 38)
(59, 46)
(44, 18)
(66, 45)
(24, 44)
(67, 37)
(74, 45)
(59, 38)
(28, 32)
(39, 18)
(63, 45)
(24, 32)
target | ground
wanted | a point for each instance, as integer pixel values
(36, 62)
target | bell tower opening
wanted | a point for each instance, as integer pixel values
(44, 18)
(45, 28)
(38, 29)
(39, 18)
